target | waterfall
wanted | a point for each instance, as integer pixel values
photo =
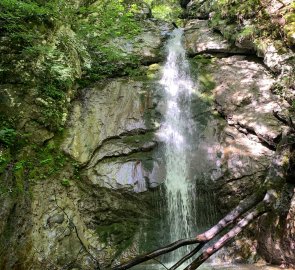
(186, 205)
(175, 132)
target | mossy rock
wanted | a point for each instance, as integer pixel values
(119, 234)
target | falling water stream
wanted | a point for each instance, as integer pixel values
(175, 131)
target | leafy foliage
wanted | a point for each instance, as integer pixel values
(259, 22)
(103, 26)
(7, 136)
(167, 10)
(46, 47)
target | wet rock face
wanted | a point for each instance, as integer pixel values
(244, 131)
(106, 111)
(97, 218)
(84, 225)
(277, 233)
(147, 45)
(243, 96)
(92, 210)
(200, 38)
(110, 135)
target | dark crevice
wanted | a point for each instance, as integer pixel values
(117, 137)
(229, 180)
(219, 54)
(134, 151)
(267, 142)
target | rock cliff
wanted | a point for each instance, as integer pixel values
(81, 171)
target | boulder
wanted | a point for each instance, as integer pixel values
(106, 111)
(200, 38)
(243, 96)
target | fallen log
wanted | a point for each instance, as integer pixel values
(231, 217)
(259, 210)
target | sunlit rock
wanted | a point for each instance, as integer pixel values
(200, 38)
(147, 45)
(130, 174)
(276, 56)
(243, 95)
(106, 111)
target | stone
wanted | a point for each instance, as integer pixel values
(183, 3)
(57, 218)
(243, 95)
(116, 175)
(106, 111)
(147, 45)
(198, 9)
(122, 147)
(275, 55)
(38, 134)
(200, 38)
(277, 233)
(243, 165)
(119, 163)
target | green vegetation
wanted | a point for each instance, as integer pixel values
(65, 182)
(167, 10)
(205, 79)
(259, 22)
(7, 136)
(45, 162)
(106, 27)
(289, 27)
(49, 45)
(119, 234)
(49, 49)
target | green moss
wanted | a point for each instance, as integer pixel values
(119, 235)
(289, 27)
(19, 173)
(201, 66)
(229, 17)
(5, 158)
(65, 182)
(247, 32)
(207, 81)
(139, 139)
(168, 10)
(152, 71)
(46, 162)
(7, 136)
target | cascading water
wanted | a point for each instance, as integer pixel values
(189, 205)
(175, 132)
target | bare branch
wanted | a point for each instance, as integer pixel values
(243, 207)
(260, 209)
(188, 256)
(156, 253)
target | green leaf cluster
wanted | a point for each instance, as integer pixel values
(167, 10)
(251, 20)
(107, 27)
(7, 136)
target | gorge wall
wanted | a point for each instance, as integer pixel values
(81, 172)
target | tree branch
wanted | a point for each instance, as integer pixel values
(188, 256)
(243, 207)
(156, 253)
(260, 209)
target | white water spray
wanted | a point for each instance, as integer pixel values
(175, 132)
